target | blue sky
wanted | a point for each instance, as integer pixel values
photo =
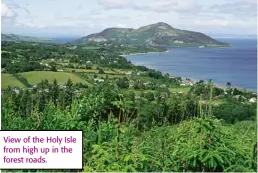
(50, 18)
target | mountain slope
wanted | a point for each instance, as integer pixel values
(154, 34)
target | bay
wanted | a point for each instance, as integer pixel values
(236, 64)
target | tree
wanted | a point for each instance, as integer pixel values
(228, 84)
(54, 90)
(69, 92)
(123, 82)
(25, 104)
(53, 68)
(101, 71)
(150, 96)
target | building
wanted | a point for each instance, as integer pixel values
(163, 86)
(3, 70)
(98, 80)
(253, 100)
(128, 73)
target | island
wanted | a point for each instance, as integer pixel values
(158, 34)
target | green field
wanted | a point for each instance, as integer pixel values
(107, 71)
(182, 89)
(36, 77)
(91, 47)
(10, 80)
(110, 76)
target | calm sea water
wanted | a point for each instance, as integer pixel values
(237, 64)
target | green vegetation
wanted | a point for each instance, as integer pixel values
(181, 89)
(36, 77)
(10, 80)
(133, 118)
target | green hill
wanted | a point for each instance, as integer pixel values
(154, 34)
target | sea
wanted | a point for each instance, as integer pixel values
(236, 64)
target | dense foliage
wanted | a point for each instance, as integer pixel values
(124, 134)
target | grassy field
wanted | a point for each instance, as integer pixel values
(110, 76)
(36, 77)
(107, 71)
(10, 80)
(80, 70)
(182, 89)
(91, 47)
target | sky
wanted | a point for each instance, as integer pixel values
(75, 18)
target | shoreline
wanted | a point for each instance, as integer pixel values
(131, 54)
(221, 86)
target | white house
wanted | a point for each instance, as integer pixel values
(163, 86)
(146, 83)
(47, 65)
(253, 100)
(137, 97)
(139, 73)
(3, 70)
(128, 73)
(98, 80)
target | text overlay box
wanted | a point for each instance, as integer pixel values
(41, 150)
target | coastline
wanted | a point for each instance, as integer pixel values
(221, 86)
(131, 54)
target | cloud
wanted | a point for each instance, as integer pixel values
(220, 23)
(253, 1)
(16, 7)
(242, 8)
(159, 7)
(6, 12)
(226, 25)
(121, 25)
(213, 16)
(115, 4)
(170, 5)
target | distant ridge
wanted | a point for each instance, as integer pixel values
(155, 34)
(21, 38)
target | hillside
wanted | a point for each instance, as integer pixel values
(154, 34)
(21, 38)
